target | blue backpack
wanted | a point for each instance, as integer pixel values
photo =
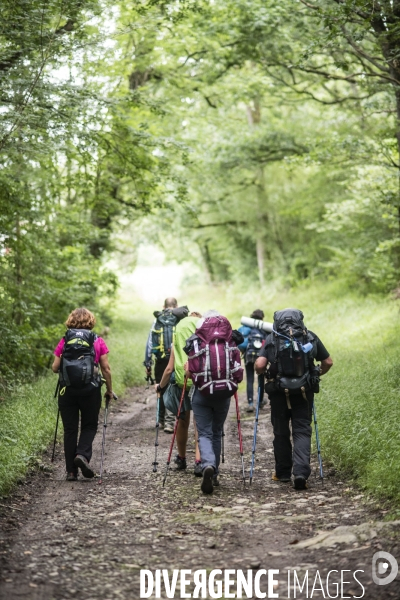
(254, 340)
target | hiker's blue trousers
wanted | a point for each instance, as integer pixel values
(300, 416)
(210, 415)
(250, 383)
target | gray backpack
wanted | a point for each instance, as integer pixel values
(291, 350)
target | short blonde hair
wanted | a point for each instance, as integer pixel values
(81, 318)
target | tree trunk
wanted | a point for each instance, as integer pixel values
(260, 260)
(253, 111)
(205, 253)
(386, 31)
(17, 311)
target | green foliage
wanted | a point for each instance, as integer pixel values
(72, 163)
(287, 113)
(359, 402)
(131, 326)
(27, 422)
(268, 128)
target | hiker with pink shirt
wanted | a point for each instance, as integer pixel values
(81, 361)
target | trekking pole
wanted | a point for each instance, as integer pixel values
(175, 428)
(253, 454)
(223, 445)
(58, 417)
(103, 444)
(240, 435)
(155, 463)
(321, 469)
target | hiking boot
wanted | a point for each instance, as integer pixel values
(180, 463)
(72, 476)
(161, 424)
(283, 479)
(215, 480)
(198, 469)
(81, 462)
(250, 408)
(300, 483)
(208, 478)
(168, 429)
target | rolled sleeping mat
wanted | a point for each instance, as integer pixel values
(256, 323)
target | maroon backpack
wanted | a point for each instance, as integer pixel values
(214, 358)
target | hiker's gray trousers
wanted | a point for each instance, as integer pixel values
(210, 414)
(300, 416)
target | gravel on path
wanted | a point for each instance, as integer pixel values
(83, 540)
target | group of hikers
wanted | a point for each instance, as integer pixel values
(198, 367)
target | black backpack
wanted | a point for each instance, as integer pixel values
(163, 332)
(291, 350)
(78, 368)
(256, 340)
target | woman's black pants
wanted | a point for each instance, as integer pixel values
(72, 404)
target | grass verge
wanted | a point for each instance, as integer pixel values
(27, 421)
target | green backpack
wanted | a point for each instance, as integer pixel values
(163, 332)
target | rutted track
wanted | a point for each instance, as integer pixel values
(82, 540)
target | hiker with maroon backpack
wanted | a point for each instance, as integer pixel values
(215, 369)
(292, 378)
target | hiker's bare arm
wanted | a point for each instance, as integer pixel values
(56, 364)
(106, 372)
(186, 369)
(168, 370)
(260, 365)
(326, 364)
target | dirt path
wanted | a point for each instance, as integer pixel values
(82, 540)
